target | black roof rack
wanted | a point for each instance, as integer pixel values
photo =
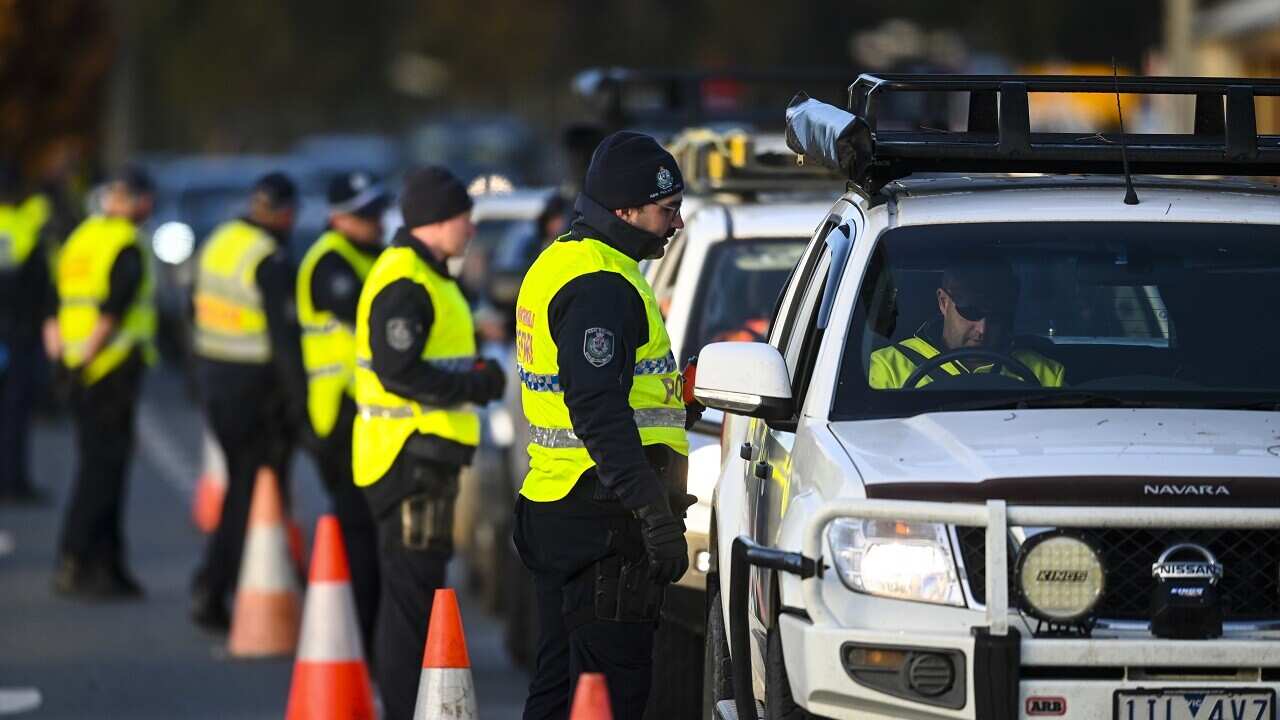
(998, 137)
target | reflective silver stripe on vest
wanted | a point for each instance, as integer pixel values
(326, 327)
(233, 348)
(369, 412)
(551, 383)
(566, 438)
(325, 370)
(453, 364)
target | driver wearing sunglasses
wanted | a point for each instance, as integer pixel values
(975, 310)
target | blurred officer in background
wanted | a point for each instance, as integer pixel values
(329, 282)
(250, 370)
(26, 297)
(416, 374)
(598, 521)
(102, 336)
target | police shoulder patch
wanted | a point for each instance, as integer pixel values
(597, 346)
(398, 335)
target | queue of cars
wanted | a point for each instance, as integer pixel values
(995, 459)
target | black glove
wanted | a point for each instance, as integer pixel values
(664, 541)
(681, 502)
(692, 414)
(490, 380)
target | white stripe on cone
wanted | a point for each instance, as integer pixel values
(215, 464)
(266, 565)
(445, 694)
(326, 640)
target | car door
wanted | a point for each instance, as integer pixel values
(796, 338)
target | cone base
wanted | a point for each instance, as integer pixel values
(330, 690)
(264, 624)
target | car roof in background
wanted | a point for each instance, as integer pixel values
(787, 219)
(518, 204)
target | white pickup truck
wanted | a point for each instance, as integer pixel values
(1012, 448)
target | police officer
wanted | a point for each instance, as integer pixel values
(976, 300)
(599, 522)
(249, 367)
(416, 376)
(102, 336)
(26, 293)
(329, 281)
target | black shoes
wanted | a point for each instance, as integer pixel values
(209, 611)
(95, 581)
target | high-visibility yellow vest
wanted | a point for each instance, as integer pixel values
(20, 230)
(890, 367)
(384, 420)
(231, 324)
(328, 344)
(83, 278)
(557, 457)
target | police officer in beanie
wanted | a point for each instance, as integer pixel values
(599, 522)
(417, 380)
(329, 281)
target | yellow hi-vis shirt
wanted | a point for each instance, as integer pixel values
(20, 230)
(231, 323)
(384, 420)
(328, 344)
(557, 457)
(83, 278)
(890, 367)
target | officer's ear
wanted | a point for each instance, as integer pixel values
(628, 215)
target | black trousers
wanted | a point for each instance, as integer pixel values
(410, 577)
(104, 416)
(17, 391)
(250, 419)
(359, 533)
(558, 542)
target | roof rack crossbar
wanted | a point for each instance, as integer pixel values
(998, 137)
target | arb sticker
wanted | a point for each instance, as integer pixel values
(1040, 705)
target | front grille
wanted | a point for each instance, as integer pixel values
(1250, 585)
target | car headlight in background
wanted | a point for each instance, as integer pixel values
(1059, 577)
(173, 242)
(907, 561)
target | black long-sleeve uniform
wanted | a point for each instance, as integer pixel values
(255, 412)
(560, 541)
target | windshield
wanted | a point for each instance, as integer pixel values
(740, 283)
(954, 317)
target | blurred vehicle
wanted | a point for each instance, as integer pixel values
(505, 225)
(477, 145)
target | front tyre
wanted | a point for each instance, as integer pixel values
(717, 668)
(778, 703)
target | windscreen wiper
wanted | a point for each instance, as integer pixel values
(1066, 399)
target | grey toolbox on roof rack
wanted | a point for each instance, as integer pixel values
(998, 137)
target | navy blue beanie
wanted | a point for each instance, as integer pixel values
(630, 169)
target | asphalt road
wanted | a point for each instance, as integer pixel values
(68, 659)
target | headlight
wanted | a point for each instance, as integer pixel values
(1059, 577)
(908, 561)
(173, 242)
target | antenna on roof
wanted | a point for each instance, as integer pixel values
(1130, 195)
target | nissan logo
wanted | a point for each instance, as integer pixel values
(1187, 561)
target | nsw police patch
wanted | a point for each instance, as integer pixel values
(399, 336)
(597, 346)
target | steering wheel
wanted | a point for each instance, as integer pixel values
(999, 359)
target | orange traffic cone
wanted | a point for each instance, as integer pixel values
(211, 488)
(591, 699)
(330, 679)
(445, 689)
(267, 609)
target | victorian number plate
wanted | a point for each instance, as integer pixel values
(1195, 704)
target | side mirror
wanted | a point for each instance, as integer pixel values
(745, 378)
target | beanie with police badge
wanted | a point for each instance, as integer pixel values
(630, 169)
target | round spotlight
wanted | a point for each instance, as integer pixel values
(173, 242)
(1059, 577)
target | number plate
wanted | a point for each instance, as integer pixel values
(1195, 704)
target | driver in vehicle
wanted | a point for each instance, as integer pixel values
(975, 306)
